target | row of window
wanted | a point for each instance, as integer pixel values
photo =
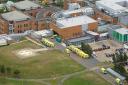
(25, 25)
(21, 31)
(76, 34)
(84, 41)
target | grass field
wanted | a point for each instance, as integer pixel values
(46, 64)
(88, 78)
(4, 81)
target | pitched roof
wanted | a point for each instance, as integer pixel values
(26, 5)
(15, 16)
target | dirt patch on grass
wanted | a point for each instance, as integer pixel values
(28, 52)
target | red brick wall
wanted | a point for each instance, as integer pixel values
(3, 26)
(22, 26)
(42, 25)
(32, 12)
(105, 17)
(67, 33)
(29, 25)
(93, 26)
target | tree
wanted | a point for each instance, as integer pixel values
(16, 73)
(120, 69)
(86, 48)
(8, 70)
(83, 47)
(54, 1)
(125, 57)
(114, 59)
(2, 69)
(59, 3)
(119, 60)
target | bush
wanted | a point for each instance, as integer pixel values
(2, 69)
(16, 73)
(86, 48)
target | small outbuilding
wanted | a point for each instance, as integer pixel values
(3, 42)
(115, 74)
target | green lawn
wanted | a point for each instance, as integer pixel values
(46, 64)
(17, 82)
(88, 78)
(4, 81)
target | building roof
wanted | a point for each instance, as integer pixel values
(26, 5)
(6, 37)
(115, 6)
(72, 6)
(92, 33)
(80, 39)
(1, 5)
(43, 32)
(15, 16)
(9, 3)
(83, 10)
(74, 21)
(122, 30)
(114, 73)
(103, 34)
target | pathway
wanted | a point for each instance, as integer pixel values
(33, 41)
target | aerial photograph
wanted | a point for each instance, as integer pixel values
(63, 42)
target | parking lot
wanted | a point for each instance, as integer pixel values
(104, 54)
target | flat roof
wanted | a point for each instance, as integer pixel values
(26, 5)
(113, 4)
(83, 9)
(74, 21)
(122, 30)
(74, 5)
(15, 16)
(80, 39)
(92, 33)
(116, 74)
(43, 32)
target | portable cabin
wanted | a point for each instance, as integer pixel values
(118, 81)
(78, 51)
(3, 42)
(115, 74)
(67, 51)
(103, 70)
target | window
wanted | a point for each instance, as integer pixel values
(25, 25)
(18, 26)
